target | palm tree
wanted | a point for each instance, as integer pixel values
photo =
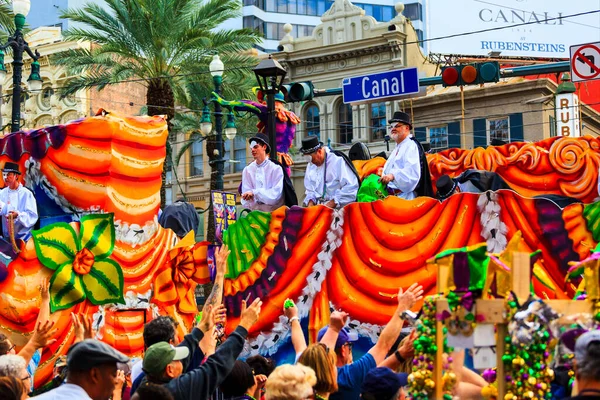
(7, 18)
(155, 42)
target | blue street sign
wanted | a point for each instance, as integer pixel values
(380, 86)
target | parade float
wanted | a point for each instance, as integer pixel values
(97, 183)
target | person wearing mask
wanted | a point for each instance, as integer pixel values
(17, 204)
(262, 179)
(330, 178)
(92, 372)
(402, 170)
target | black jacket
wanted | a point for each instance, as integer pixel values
(201, 383)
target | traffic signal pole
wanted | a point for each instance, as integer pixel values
(525, 70)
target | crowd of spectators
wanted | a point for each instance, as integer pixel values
(196, 368)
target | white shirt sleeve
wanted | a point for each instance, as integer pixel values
(28, 213)
(407, 168)
(347, 183)
(271, 195)
(310, 189)
(247, 186)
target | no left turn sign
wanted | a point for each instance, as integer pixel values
(585, 62)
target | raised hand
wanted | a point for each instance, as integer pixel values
(45, 290)
(205, 320)
(42, 335)
(221, 254)
(338, 320)
(291, 311)
(250, 315)
(406, 348)
(408, 299)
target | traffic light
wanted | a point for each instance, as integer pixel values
(471, 74)
(298, 91)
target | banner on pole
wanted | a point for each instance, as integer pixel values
(225, 212)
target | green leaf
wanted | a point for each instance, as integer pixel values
(66, 289)
(104, 283)
(98, 234)
(56, 244)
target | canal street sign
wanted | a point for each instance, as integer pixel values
(383, 85)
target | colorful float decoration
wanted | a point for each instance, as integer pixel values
(106, 170)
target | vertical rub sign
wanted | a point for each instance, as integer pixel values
(567, 115)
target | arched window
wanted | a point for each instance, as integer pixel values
(313, 127)
(345, 123)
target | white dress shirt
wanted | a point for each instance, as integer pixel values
(22, 201)
(266, 182)
(342, 184)
(405, 165)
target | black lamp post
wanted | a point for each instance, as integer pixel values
(270, 75)
(20, 46)
(216, 68)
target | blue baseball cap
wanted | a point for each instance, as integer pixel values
(382, 384)
(344, 337)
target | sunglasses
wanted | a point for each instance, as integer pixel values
(350, 345)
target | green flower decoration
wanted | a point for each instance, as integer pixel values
(82, 264)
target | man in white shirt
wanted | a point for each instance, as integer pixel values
(262, 180)
(402, 170)
(329, 179)
(92, 371)
(18, 203)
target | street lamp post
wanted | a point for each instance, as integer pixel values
(270, 75)
(19, 46)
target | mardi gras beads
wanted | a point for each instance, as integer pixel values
(421, 380)
(527, 350)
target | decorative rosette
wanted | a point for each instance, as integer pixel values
(82, 264)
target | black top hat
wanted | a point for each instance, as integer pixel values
(11, 167)
(445, 187)
(310, 144)
(262, 138)
(402, 117)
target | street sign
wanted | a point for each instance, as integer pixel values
(380, 86)
(585, 62)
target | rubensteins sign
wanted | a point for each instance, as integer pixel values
(531, 28)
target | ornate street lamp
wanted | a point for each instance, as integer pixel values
(216, 68)
(270, 75)
(20, 46)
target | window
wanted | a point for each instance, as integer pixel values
(345, 123)
(312, 121)
(388, 13)
(169, 177)
(552, 121)
(197, 159)
(419, 36)
(498, 129)
(238, 162)
(413, 12)
(311, 8)
(200, 230)
(271, 5)
(438, 138)
(302, 7)
(45, 97)
(377, 121)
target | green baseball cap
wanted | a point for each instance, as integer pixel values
(161, 354)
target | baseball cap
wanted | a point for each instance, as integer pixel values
(344, 337)
(90, 353)
(382, 384)
(161, 354)
(582, 343)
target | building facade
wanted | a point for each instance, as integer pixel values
(265, 16)
(347, 43)
(48, 107)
